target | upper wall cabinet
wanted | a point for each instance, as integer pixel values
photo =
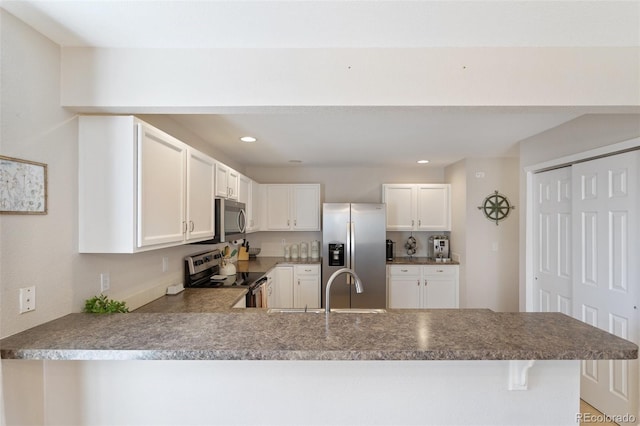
(417, 207)
(292, 207)
(227, 181)
(249, 194)
(139, 188)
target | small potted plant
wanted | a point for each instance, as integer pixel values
(102, 305)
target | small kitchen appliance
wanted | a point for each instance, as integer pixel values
(202, 270)
(440, 247)
(390, 249)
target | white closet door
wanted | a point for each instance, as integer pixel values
(552, 241)
(605, 292)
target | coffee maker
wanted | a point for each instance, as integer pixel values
(439, 245)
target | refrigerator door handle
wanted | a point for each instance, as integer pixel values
(353, 251)
(347, 253)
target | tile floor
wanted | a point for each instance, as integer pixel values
(586, 408)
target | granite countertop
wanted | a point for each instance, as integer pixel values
(264, 264)
(418, 261)
(196, 300)
(254, 334)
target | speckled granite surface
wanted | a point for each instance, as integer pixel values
(254, 334)
(196, 300)
(418, 261)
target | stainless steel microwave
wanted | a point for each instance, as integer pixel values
(231, 219)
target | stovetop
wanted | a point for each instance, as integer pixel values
(202, 271)
(241, 279)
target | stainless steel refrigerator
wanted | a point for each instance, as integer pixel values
(354, 236)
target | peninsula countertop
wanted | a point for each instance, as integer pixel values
(254, 334)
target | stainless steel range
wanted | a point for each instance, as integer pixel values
(202, 270)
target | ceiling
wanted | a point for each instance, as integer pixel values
(358, 135)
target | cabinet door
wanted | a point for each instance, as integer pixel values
(306, 292)
(283, 285)
(244, 190)
(222, 190)
(253, 222)
(440, 286)
(434, 207)
(200, 211)
(161, 188)
(306, 207)
(404, 292)
(232, 183)
(401, 209)
(277, 201)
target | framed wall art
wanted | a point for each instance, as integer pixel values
(23, 186)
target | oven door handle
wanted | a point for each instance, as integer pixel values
(257, 284)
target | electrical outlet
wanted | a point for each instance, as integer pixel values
(27, 299)
(105, 282)
(165, 264)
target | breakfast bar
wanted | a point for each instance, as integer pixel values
(249, 366)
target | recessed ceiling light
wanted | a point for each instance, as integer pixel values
(423, 161)
(248, 139)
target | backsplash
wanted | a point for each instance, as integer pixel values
(422, 240)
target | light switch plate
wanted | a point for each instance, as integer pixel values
(27, 299)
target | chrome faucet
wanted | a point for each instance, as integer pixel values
(359, 288)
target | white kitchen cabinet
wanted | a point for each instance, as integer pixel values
(440, 286)
(133, 186)
(417, 207)
(423, 287)
(161, 187)
(283, 287)
(405, 287)
(249, 194)
(200, 200)
(227, 181)
(306, 286)
(254, 207)
(292, 207)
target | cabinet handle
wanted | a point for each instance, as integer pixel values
(419, 222)
(404, 270)
(413, 222)
(184, 227)
(418, 283)
(295, 222)
(439, 270)
(298, 281)
(288, 223)
(192, 226)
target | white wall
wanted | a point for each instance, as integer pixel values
(42, 250)
(456, 175)
(503, 76)
(488, 252)
(579, 135)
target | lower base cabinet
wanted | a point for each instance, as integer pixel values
(423, 287)
(306, 286)
(295, 287)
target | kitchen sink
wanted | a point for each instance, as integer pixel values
(320, 311)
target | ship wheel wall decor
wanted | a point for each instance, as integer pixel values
(496, 207)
